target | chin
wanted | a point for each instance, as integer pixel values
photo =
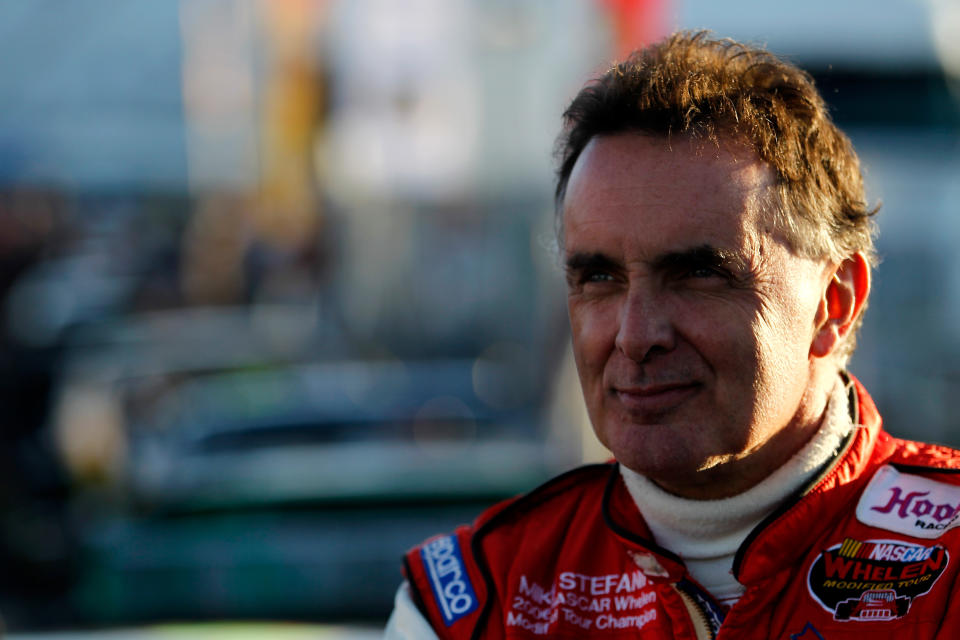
(668, 471)
(660, 462)
(655, 448)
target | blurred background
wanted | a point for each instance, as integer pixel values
(277, 292)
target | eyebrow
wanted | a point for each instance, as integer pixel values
(584, 261)
(701, 256)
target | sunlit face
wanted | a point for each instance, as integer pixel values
(692, 320)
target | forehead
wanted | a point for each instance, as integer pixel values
(675, 192)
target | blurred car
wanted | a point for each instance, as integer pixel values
(238, 483)
(214, 631)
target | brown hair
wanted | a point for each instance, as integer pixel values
(705, 88)
(693, 85)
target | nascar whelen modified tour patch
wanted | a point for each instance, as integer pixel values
(874, 579)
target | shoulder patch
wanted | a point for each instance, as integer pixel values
(448, 577)
(909, 504)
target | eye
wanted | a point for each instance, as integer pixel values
(704, 272)
(596, 276)
(590, 279)
(592, 270)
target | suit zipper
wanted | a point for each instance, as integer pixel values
(698, 616)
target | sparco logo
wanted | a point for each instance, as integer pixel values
(449, 579)
(909, 504)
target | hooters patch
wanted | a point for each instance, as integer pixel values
(874, 579)
(909, 504)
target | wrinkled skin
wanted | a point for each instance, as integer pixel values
(695, 326)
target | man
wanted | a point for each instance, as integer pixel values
(717, 247)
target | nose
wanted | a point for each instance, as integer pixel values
(645, 326)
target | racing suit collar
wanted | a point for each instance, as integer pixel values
(785, 535)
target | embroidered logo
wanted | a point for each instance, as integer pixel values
(448, 577)
(909, 504)
(649, 564)
(874, 579)
(573, 604)
(802, 635)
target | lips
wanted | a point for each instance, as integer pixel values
(655, 398)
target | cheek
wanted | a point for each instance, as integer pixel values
(726, 333)
(783, 349)
(792, 329)
(797, 294)
(593, 329)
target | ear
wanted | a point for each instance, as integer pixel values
(843, 299)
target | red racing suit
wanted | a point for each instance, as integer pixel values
(869, 549)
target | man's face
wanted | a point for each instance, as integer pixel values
(692, 320)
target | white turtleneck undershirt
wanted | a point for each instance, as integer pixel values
(707, 533)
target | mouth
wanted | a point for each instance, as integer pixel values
(656, 398)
